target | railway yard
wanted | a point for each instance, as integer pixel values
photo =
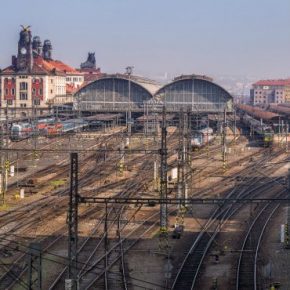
(181, 222)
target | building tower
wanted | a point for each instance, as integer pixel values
(47, 49)
(37, 45)
(24, 56)
(90, 63)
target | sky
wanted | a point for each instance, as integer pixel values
(160, 38)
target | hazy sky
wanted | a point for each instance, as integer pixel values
(214, 37)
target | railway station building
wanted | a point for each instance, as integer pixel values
(120, 92)
(34, 78)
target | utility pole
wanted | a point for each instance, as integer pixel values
(180, 168)
(287, 131)
(189, 151)
(163, 238)
(235, 126)
(106, 245)
(2, 158)
(287, 226)
(73, 223)
(7, 163)
(129, 71)
(34, 267)
(224, 132)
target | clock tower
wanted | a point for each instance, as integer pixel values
(24, 56)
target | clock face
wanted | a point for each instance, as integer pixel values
(23, 50)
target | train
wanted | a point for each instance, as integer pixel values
(263, 132)
(202, 137)
(62, 127)
(24, 130)
(45, 127)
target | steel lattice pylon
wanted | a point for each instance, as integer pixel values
(73, 221)
(163, 240)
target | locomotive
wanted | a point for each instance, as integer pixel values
(264, 133)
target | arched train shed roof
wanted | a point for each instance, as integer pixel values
(119, 91)
(116, 92)
(197, 92)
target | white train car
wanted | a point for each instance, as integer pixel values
(202, 137)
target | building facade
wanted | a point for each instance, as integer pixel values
(270, 91)
(34, 78)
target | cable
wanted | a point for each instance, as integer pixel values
(63, 264)
(14, 277)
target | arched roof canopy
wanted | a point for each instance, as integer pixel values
(116, 92)
(199, 93)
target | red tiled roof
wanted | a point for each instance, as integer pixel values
(42, 66)
(280, 82)
(50, 65)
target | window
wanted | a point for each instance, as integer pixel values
(51, 81)
(9, 102)
(36, 102)
(6, 92)
(23, 96)
(22, 105)
(13, 92)
(40, 92)
(51, 91)
(23, 86)
(33, 92)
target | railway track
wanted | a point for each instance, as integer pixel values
(47, 201)
(123, 245)
(114, 214)
(56, 203)
(247, 268)
(16, 268)
(188, 271)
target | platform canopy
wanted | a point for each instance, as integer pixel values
(197, 93)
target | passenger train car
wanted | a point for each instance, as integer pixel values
(71, 125)
(202, 137)
(45, 127)
(20, 131)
